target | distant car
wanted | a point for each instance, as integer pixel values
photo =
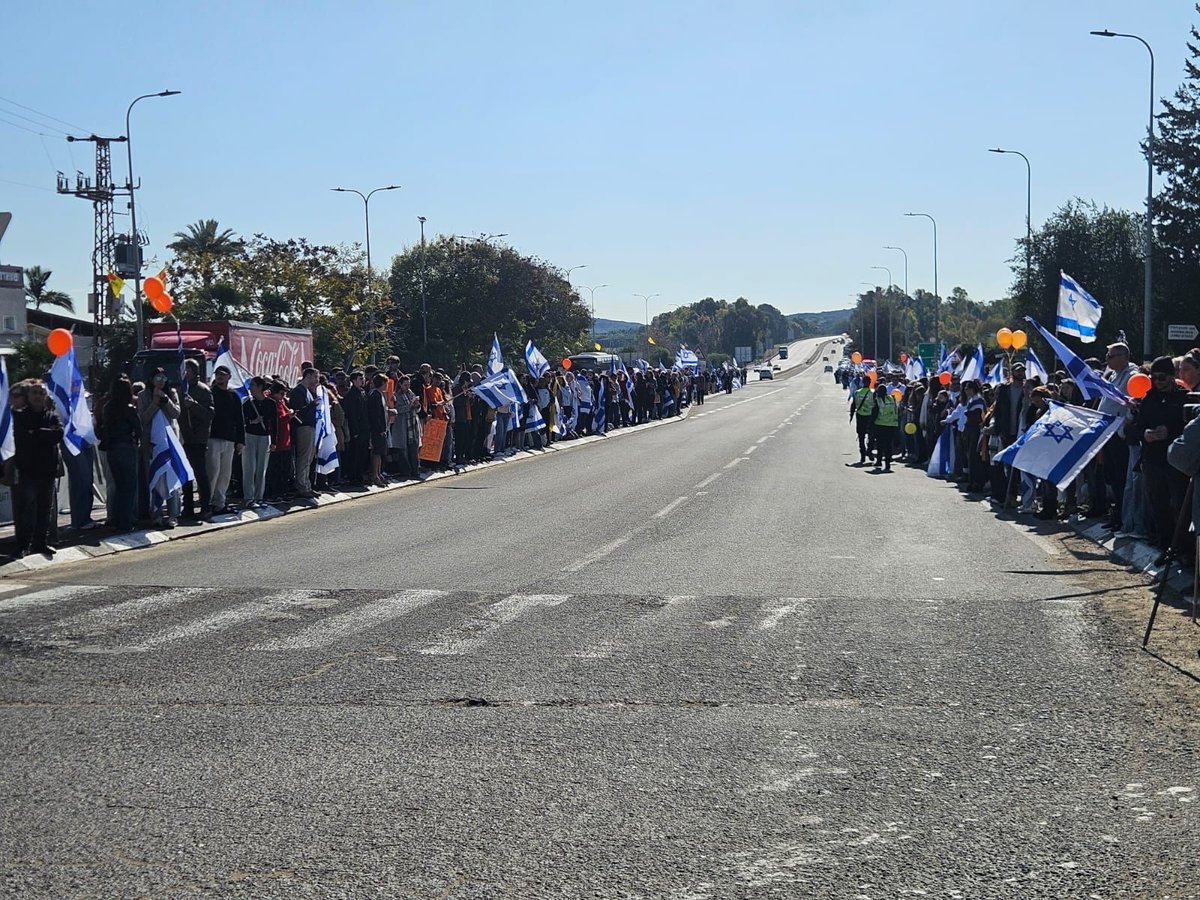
(829, 368)
(775, 368)
(826, 358)
(765, 374)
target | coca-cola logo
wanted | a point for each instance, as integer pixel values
(281, 356)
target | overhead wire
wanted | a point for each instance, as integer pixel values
(44, 115)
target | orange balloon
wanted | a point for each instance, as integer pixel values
(566, 364)
(896, 395)
(856, 357)
(1019, 339)
(162, 303)
(1139, 385)
(1004, 337)
(153, 288)
(59, 341)
(944, 379)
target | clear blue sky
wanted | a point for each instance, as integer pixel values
(690, 149)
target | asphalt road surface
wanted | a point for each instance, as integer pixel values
(706, 660)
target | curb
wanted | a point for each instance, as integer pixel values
(1138, 555)
(138, 540)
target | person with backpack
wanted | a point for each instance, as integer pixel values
(862, 414)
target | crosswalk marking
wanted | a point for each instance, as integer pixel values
(497, 616)
(49, 595)
(356, 621)
(109, 617)
(778, 610)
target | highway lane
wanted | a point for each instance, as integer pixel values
(705, 660)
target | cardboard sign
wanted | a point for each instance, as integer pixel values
(432, 439)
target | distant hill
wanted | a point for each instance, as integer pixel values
(835, 321)
(606, 326)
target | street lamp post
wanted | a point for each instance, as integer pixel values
(937, 300)
(592, 296)
(889, 290)
(572, 269)
(1149, 237)
(904, 340)
(366, 199)
(135, 243)
(424, 314)
(647, 298)
(1028, 217)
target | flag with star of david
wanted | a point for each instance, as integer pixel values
(1058, 445)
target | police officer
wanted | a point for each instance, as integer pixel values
(862, 411)
(887, 427)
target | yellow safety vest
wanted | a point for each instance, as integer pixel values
(889, 413)
(864, 409)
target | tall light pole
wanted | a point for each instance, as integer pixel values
(1028, 217)
(904, 340)
(592, 296)
(875, 290)
(1149, 239)
(937, 300)
(572, 269)
(424, 314)
(136, 245)
(889, 290)
(366, 199)
(647, 298)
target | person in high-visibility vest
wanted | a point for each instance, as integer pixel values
(862, 411)
(887, 427)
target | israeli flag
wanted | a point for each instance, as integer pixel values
(65, 384)
(997, 375)
(941, 460)
(945, 362)
(599, 421)
(1078, 311)
(1060, 444)
(169, 469)
(1034, 367)
(534, 420)
(8, 444)
(239, 376)
(737, 381)
(495, 362)
(915, 368)
(538, 365)
(1090, 382)
(975, 366)
(687, 359)
(327, 457)
(500, 388)
(585, 407)
(643, 365)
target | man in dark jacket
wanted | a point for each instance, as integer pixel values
(355, 405)
(303, 401)
(226, 438)
(37, 436)
(1159, 421)
(195, 422)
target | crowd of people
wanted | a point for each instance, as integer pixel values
(253, 440)
(1134, 485)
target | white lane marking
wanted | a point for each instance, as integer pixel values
(227, 618)
(666, 510)
(709, 480)
(11, 587)
(1046, 547)
(749, 450)
(779, 609)
(50, 595)
(118, 614)
(765, 437)
(771, 433)
(501, 613)
(353, 622)
(734, 462)
(598, 554)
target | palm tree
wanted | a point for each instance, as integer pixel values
(35, 290)
(204, 243)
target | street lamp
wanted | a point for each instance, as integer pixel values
(904, 340)
(647, 297)
(479, 237)
(1028, 217)
(136, 246)
(1149, 238)
(889, 289)
(572, 269)
(592, 296)
(424, 314)
(937, 301)
(366, 199)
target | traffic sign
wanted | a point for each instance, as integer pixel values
(929, 355)
(1182, 332)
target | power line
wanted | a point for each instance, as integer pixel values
(9, 112)
(36, 187)
(45, 115)
(4, 121)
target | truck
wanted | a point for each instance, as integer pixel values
(261, 349)
(782, 351)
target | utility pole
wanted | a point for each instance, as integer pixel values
(100, 192)
(424, 314)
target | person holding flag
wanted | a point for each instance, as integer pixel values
(37, 435)
(158, 409)
(65, 385)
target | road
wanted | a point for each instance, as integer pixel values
(705, 660)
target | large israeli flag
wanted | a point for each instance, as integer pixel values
(495, 362)
(1078, 311)
(941, 460)
(599, 420)
(8, 444)
(326, 436)
(239, 376)
(65, 384)
(500, 388)
(687, 359)
(975, 367)
(1034, 367)
(1058, 445)
(538, 365)
(1090, 382)
(997, 375)
(169, 468)
(534, 420)
(914, 368)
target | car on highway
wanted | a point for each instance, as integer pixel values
(765, 374)
(775, 368)
(829, 368)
